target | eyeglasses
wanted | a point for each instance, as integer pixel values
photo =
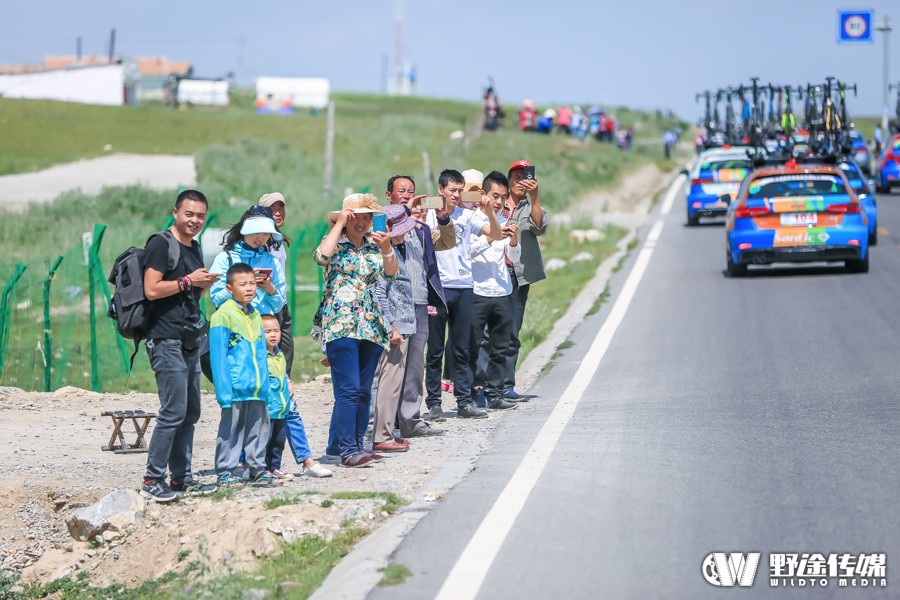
(261, 211)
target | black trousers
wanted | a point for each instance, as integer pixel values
(458, 316)
(518, 300)
(494, 317)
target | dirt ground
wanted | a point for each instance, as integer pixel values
(54, 464)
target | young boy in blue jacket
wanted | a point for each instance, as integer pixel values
(285, 421)
(241, 376)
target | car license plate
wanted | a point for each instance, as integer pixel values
(794, 219)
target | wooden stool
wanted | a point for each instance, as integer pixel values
(140, 428)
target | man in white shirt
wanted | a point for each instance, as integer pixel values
(493, 287)
(455, 268)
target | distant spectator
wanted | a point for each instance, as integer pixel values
(579, 123)
(545, 125)
(564, 121)
(527, 116)
(668, 142)
(492, 111)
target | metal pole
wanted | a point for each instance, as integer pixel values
(885, 27)
(5, 311)
(329, 152)
(48, 335)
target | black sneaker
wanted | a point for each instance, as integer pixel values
(192, 487)
(156, 489)
(500, 403)
(470, 411)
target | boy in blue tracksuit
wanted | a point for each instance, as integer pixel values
(285, 421)
(241, 376)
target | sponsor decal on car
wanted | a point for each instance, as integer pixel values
(794, 236)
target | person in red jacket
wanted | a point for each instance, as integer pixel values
(527, 116)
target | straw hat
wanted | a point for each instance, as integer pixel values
(359, 203)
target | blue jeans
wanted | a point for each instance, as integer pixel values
(353, 364)
(297, 435)
(178, 380)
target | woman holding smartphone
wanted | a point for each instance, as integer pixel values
(350, 322)
(246, 241)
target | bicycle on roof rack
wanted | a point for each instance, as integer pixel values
(709, 123)
(730, 131)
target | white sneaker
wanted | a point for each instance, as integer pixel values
(282, 475)
(316, 470)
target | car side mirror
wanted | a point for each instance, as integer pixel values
(726, 199)
(684, 172)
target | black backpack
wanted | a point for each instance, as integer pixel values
(129, 308)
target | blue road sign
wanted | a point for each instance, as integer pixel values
(855, 26)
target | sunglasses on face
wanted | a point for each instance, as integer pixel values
(261, 211)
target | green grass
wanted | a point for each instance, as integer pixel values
(392, 502)
(305, 563)
(393, 575)
(287, 499)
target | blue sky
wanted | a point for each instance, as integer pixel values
(640, 53)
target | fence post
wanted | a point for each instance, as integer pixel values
(5, 312)
(48, 335)
(95, 274)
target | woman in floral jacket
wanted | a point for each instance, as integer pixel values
(352, 325)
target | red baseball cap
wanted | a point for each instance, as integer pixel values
(519, 164)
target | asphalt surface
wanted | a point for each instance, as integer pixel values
(728, 415)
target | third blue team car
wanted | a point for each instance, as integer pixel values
(796, 213)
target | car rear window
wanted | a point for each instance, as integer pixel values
(791, 186)
(731, 163)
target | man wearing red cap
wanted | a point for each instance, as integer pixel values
(524, 210)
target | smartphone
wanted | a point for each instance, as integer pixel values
(263, 272)
(435, 202)
(379, 222)
(470, 200)
(529, 172)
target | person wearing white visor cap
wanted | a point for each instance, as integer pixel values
(246, 241)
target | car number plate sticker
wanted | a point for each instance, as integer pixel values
(805, 218)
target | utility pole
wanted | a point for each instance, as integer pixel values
(885, 28)
(329, 154)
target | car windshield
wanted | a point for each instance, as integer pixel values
(790, 186)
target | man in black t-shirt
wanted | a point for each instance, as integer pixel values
(173, 340)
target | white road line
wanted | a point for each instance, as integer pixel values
(670, 196)
(467, 575)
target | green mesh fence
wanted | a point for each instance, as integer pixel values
(52, 337)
